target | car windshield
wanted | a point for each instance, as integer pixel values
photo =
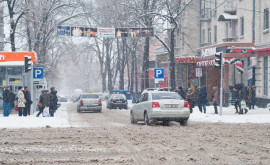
(161, 96)
(90, 96)
(119, 97)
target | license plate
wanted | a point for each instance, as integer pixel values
(171, 105)
(119, 101)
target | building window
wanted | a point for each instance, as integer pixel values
(183, 39)
(226, 30)
(203, 36)
(209, 35)
(266, 19)
(215, 33)
(242, 32)
(265, 77)
(215, 9)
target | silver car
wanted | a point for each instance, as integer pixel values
(89, 102)
(160, 106)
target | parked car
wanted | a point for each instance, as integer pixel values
(62, 99)
(160, 106)
(89, 102)
(117, 101)
(127, 93)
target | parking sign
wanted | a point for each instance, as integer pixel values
(38, 73)
(159, 72)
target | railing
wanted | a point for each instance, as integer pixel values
(230, 7)
(206, 14)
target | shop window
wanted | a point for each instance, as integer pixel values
(3, 81)
(14, 70)
(265, 78)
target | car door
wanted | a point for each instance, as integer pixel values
(143, 105)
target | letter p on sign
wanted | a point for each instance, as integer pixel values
(159, 72)
(38, 73)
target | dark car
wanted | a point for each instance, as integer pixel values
(117, 101)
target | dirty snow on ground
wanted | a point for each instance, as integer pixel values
(257, 115)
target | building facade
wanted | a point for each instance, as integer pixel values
(262, 52)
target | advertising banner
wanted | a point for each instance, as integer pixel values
(106, 32)
(90, 32)
(77, 31)
(63, 30)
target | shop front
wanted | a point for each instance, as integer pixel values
(12, 71)
(186, 72)
(236, 64)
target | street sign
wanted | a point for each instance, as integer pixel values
(198, 72)
(38, 73)
(159, 73)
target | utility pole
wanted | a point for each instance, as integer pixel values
(2, 36)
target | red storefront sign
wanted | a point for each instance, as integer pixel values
(185, 60)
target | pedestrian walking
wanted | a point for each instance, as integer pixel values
(236, 100)
(40, 105)
(253, 96)
(12, 97)
(190, 99)
(28, 103)
(214, 97)
(53, 101)
(182, 93)
(21, 101)
(202, 99)
(6, 101)
(249, 97)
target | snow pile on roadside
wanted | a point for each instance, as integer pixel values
(257, 115)
(60, 119)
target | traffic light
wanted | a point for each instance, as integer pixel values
(219, 60)
(27, 63)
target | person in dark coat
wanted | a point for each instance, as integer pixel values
(202, 98)
(190, 99)
(214, 97)
(182, 93)
(253, 96)
(40, 103)
(236, 100)
(53, 101)
(6, 101)
(249, 97)
(28, 103)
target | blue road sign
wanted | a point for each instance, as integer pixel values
(38, 73)
(159, 72)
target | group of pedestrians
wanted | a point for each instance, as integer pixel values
(242, 98)
(48, 99)
(23, 103)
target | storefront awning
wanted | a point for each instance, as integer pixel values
(227, 17)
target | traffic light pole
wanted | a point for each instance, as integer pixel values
(221, 84)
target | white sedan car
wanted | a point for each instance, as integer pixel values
(160, 106)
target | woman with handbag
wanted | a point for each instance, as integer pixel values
(21, 101)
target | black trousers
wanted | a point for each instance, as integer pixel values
(27, 109)
(40, 111)
(21, 111)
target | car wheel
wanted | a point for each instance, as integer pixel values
(146, 119)
(132, 120)
(184, 122)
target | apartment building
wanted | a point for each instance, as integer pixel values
(262, 53)
(226, 26)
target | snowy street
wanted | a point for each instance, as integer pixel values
(109, 138)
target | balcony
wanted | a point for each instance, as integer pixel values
(230, 39)
(206, 15)
(230, 7)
